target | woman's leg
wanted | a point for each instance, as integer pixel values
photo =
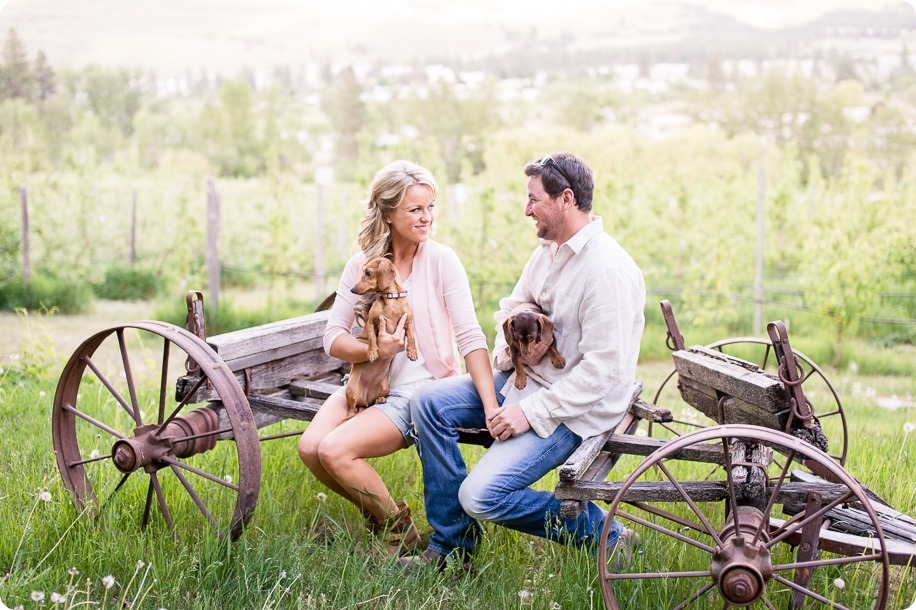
(343, 452)
(329, 416)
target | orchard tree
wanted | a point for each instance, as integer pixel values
(348, 115)
(44, 76)
(17, 82)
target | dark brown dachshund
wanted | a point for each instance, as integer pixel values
(368, 382)
(524, 332)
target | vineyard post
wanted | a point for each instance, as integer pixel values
(212, 244)
(26, 266)
(133, 227)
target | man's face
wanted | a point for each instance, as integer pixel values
(546, 212)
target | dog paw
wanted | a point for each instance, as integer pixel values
(520, 383)
(373, 355)
(380, 400)
(412, 354)
(558, 363)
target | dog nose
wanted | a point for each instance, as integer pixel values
(353, 290)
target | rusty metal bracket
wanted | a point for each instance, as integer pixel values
(195, 323)
(674, 340)
(792, 375)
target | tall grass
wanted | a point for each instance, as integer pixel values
(306, 548)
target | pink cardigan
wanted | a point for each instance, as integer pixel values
(443, 309)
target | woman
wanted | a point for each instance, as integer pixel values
(397, 223)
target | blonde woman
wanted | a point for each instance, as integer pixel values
(397, 223)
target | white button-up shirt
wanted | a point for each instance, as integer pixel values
(595, 295)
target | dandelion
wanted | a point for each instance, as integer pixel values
(94, 453)
(524, 595)
(73, 571)
(140, 564)
(640, 432)
(282, 574)
(322, 496)
(839, 583)
(45, 496)
(108, 581)
(41, 394)
(38, 596)
(57, 598)
(556, 606)
(228, 478)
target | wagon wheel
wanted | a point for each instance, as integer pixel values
(123, 438)
(697, 553)
(816, 385)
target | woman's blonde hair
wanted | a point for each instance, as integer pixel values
(388, 188)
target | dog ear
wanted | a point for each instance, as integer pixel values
(384, 274)
(507, 330)
(545, 326)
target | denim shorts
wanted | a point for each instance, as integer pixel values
(397, 408)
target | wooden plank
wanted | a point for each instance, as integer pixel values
(262, 356)
(312, 389)
(705, 399)
(648, 411)
(286, 408)
(640, 445)
(269, 375)
(266, 337)
(729, 378)
(898, 552)
(699, 491)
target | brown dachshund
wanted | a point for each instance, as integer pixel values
(368, 382)
(524, 332)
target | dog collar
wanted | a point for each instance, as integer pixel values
(395, 295)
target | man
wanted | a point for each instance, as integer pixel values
(594, 293)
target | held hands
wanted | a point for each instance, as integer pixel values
(507, 422)
(390, 342)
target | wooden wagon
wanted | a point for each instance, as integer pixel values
(751, 509)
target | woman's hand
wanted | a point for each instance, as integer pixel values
(391, 342)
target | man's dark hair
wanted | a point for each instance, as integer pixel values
(563, 170)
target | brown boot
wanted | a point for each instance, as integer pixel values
(400, 535)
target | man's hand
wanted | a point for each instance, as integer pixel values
(391, 342)
(536, 355)
(508, 422)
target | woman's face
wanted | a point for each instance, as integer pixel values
(413, 219)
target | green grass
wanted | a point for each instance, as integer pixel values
(303, 551)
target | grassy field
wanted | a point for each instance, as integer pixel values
(306, 548)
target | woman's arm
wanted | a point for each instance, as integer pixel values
(478, 365)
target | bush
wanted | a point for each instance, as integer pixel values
(68, 296)
(123, 283)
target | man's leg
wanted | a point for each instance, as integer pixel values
(437, 409)
(497, 490)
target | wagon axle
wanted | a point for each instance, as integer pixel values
(182, 437)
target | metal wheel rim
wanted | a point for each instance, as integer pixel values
(742, 432)
(223, 382)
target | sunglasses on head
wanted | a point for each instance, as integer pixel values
(548, 160)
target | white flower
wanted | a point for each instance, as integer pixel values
(322, 496)
(140, 564)
(228, 478)
(556, 606)
(640, 432)
(524, 595)
(57, 598)
(73, 571)
(108, 581)
(41, 394)
(94, 453)
(909, 427)
(38, 596)
(45, 496)
(839, 583)
(282, 574)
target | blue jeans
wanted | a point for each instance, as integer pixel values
(497, 489)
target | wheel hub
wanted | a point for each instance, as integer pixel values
(148, 450)
(741, 567)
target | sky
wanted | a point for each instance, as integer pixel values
(171, 35)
